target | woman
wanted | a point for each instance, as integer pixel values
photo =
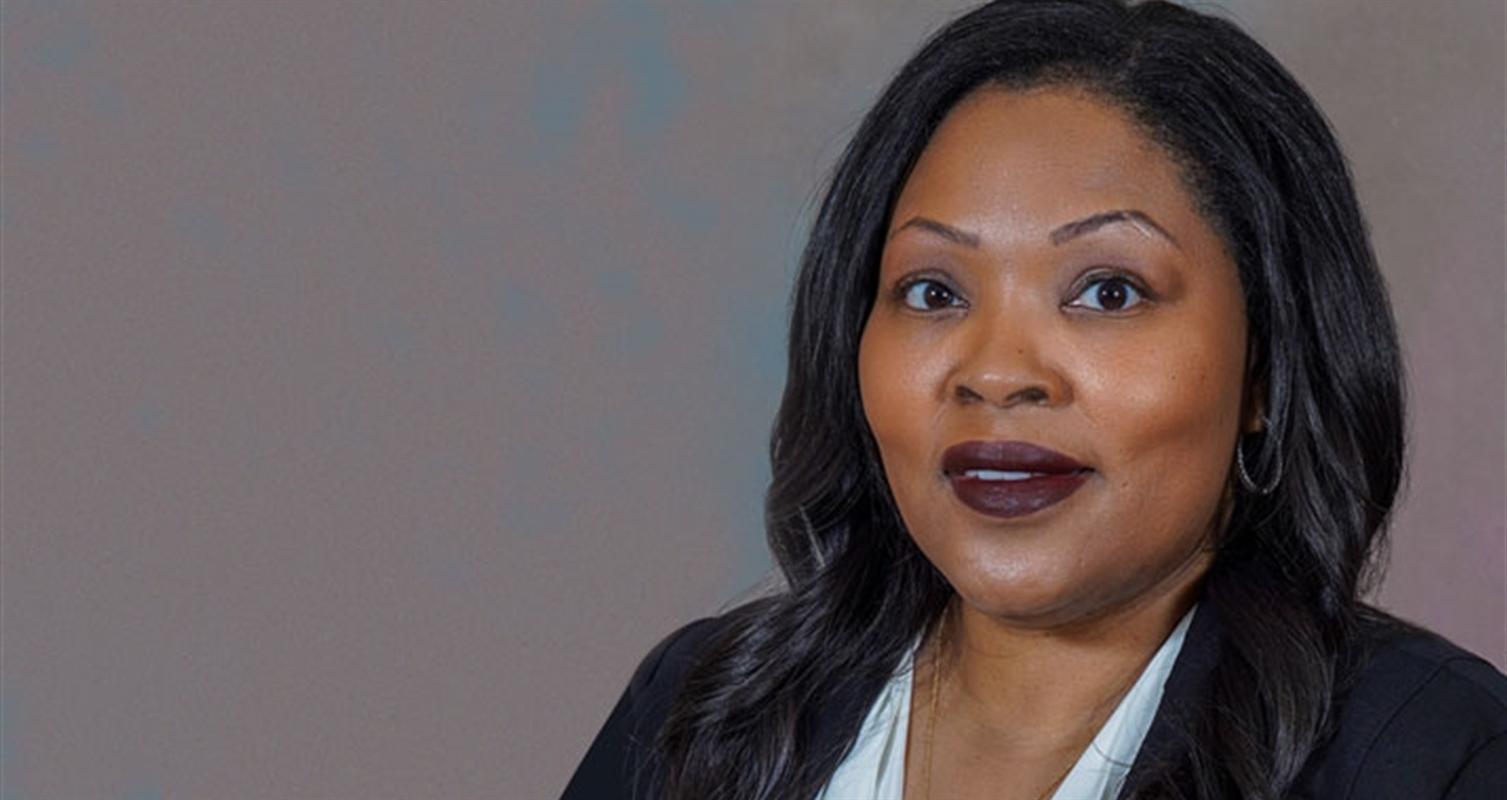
(1092, 428)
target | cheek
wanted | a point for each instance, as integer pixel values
(897, 380)
(1167, 416)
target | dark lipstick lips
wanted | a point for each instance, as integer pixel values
(1057, 476)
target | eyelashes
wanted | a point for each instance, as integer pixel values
(919, 294)
(1126, 294)
(1108, 292)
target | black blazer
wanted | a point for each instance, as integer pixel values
(1425, 720)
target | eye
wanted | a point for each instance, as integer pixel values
(925, 294)
(1112, 293)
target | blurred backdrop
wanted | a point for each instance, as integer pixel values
(381, 380)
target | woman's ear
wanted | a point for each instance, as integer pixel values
(1253, 405)
(1253, 419)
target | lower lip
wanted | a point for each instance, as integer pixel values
(1016, 498)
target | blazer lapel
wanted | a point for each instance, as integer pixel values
(1182, 695)
(841, 712)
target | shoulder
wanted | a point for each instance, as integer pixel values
(1422, 718)
(615, 763)
(661, 672)
(669, 660)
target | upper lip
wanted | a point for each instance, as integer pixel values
(1007, 456)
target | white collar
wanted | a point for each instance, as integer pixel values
(875, 768)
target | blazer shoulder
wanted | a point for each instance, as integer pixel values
(1421, 715)
(616, 764)
(660, 671)
(1411, 666)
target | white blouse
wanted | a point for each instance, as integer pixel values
(875, 767)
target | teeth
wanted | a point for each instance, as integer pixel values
(1000, 475)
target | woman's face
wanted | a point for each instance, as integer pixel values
(1047, 279)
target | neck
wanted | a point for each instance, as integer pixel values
(1043, 684)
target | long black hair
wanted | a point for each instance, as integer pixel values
(1292, 564)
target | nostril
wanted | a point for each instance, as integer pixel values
(1033, 394)
(965, 393)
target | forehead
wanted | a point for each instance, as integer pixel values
(1007, 163)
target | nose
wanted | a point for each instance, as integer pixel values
(1004, 364)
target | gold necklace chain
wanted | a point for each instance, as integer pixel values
(931, 717)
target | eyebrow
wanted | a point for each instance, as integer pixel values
(941, 229)
(1072, 230)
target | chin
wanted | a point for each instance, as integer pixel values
(1025, 599)
(1043, 598)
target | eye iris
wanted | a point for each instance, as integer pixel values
(1112, 294)
(936, 296)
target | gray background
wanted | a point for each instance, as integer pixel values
(380, 381)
